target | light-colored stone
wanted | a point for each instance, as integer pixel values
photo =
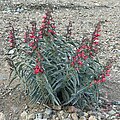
(24, 115)
(31, 116)
(92, 118)
(82, 118)
(48, 111)
(2, 116)
(86, 114)
(74, 116)
(72, 109)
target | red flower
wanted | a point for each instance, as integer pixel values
(11, 41)
(31, 44)
(95, 43)
(40, 32)
(97, 35)
(51, 31)
(80, 62)
(32, 36)
(85, 57)
(40, 36)
(107, 72)
(72, 64)
(38, 69)
(44, 16)
(34, 47)
(53, 26)
(43, 21)
(48, 22)
(78, 50)
(103, 79)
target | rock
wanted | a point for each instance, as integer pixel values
(72, 109)
(82, 118)
(48, 111)
(55, 107)
(2, 116)
(31, 116)
(92, 118)
(60, 114)
(86, 114)
(74, 116)
(24, 115)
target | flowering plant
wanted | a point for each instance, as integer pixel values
(55, 68)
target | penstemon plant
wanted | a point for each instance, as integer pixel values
(55, 69)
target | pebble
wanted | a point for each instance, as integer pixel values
(92, 118)
(82, 118)
(31, 116)
(86, 114)
(2, 116)
(24, 115)
(74, 116)
(72, 109)
(60, 114)
(48, 111)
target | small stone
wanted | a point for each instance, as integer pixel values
(55, 107)
(31, 116)
(60, 114)
(53, 117)
(2, 116)
(11, 51)
(56, 118)
(86, 114)
(82, 118)
(92, 118)
(48, 111)
(72, 109)
(24, 115)
(74, 116)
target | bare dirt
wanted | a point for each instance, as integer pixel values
(84, 15)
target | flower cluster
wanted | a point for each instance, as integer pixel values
(95, 39)
(12, 38)
(38, 68)
(102, 77)
(88, 48)
(48, 25)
